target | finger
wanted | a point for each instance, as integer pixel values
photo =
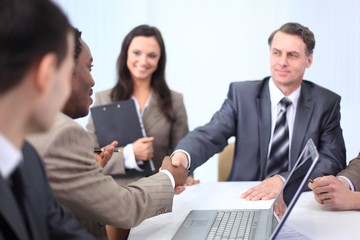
(176, 162)
(179, 189)
(147, 139)
(114, 144)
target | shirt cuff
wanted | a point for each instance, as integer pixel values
(186, 153)
(352, 188)
(169, 175)
(129, 158)
(282, 178)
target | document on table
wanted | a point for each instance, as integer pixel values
(290, 232)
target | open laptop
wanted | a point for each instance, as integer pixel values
(258, 223)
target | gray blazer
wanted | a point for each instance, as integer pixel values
(166, 134)
(352, 172)
(79, 183)
(46, 218)
(246, 114)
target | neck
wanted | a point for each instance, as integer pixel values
(12, 122)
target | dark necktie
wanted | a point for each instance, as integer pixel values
(17, 185)
(279, 153)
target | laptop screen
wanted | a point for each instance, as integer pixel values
(296, 180)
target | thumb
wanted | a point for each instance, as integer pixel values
(147, 139)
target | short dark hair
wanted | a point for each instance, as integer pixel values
(299, 30)
(29, 29)
(78, 45)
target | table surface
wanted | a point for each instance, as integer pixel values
(307, 217)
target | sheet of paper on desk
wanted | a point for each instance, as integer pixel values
(290, 232)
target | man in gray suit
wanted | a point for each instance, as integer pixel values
(78, 181)
(250, 111)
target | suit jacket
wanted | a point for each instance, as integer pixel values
(352, 172)
(166, 134)
(79, 183)
(46, 218)
(246, 114)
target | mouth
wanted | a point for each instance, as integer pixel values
(91, 92)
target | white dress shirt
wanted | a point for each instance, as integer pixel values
(10, 157)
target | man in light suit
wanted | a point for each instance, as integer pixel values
(341, 192)
(78, 181)
(250, 111)
(36, 48)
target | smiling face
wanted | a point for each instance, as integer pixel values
(82, 82)
(288, 61)
(142, 58)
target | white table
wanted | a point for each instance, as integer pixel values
(307, 216)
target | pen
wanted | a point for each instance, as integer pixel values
(99, 150)
(311, 180)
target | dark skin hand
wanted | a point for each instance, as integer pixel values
(102, 158)
(180, 173)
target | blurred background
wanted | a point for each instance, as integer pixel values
(211, 43)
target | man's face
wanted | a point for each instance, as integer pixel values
(56, 92)
(288, 61)
(82, 82)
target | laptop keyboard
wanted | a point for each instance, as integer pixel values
(231, 225)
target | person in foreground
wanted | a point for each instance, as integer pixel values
(340, 192)
(141, 76)
(269, 136)
(78, 181)
(35, 73)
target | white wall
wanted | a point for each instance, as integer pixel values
(211, 43)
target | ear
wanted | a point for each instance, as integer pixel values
(45, 72)
(309, 61)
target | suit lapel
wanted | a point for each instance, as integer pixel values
(302, 120)
(31, 221)
(264, 114)
(10, 211)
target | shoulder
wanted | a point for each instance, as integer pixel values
(63, 129)
(248, 89)
(103, 97)
(319, 92)
(176, 96)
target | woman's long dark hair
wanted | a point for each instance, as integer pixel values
(124, 87)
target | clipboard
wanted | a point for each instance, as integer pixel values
(120, 121)
(116, 121)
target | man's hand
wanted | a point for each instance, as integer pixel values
(191, 181)
(103, 157)
(179, 173)
(280, 206)
(143, 148)
(267, 189)
(180, 158)
(334, 193)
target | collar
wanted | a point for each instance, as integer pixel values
(276, 95)
(10, 157)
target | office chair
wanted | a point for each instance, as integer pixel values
(225, 160)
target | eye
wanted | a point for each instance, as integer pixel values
(152, 55)
(276, 53)
(136, 52)
(293, 55)
(90, 67)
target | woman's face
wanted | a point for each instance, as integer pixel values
(143, 57)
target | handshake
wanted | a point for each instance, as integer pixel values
(178, 171)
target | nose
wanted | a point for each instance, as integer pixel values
(143, 59)
(283, 60)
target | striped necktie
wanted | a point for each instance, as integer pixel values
(279, 153)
